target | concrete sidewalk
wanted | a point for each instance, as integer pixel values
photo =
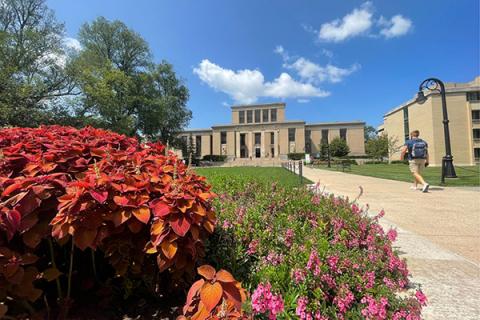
(438, 233)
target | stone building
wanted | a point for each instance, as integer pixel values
(463, 107)
(261, 132)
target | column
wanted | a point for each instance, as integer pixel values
(262, 144)
(250, 144)
(276, 144)
(237, 146)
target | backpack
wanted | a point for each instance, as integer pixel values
(419, 149)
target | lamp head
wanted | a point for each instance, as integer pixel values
(421, 97)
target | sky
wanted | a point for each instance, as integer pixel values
(327, 60)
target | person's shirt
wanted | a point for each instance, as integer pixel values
(409, 144)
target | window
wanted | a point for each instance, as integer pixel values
(476, 152)
(258, 138)
(324, 136)
(223, 137)
(308, 141)
(257, 115)
(273, 115)
(291, 134)
(198, 145)
(476, 116)
(272, 138)
(406, 128)
(241, 116)
(343, 134)
(473, 96)
(249, 116)
(265, 115)
(476, 134)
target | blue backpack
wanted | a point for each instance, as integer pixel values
(419, 149)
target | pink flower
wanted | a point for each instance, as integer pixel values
(264, 301)
(289, 237)
(252, 247)
(314, 263)
(421, 297)
(332, 262)
(392, 235)
(298, 275)
(301, 309)
(226, 225)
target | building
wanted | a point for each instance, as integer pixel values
(463, 107)
(261, 132)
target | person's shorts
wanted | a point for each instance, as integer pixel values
(416, 165)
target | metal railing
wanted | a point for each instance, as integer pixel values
(295, 166)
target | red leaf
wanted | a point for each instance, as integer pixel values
(233, 294)
(121, 201)
(210, 295)
(207, 271)
(193, 291)
(160, 208)
(180, 224)
(142, 214)
(99, 196)
(14, 218)
(224, 276)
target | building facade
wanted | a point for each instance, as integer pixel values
(463, 107)
(262, 132)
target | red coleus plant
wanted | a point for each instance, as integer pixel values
(216, 296)
(105, 191)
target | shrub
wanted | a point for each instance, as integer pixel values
(296, 156)
(214, 158)
(63, 188)
(339, 148)
(320, 256)
(399, 161)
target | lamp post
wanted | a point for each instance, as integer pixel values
(433, 84)
(328, 155)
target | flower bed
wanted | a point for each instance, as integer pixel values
(306, 255)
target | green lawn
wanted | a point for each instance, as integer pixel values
(467, 176)
(267, 174)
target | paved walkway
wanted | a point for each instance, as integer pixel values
(438, 233)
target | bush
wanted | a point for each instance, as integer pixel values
(296, 156)
(64, 191)
(399, 162)
(345, 161)
(214, 157)
(308, 255)
(339, 148)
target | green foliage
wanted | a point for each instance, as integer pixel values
(324, 151)
(377, 147)
(305, 245)
(214, 158)
(296, 156)
(34, 64)
(123, 90)
(370, 133)
(339, 148)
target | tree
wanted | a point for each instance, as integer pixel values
(377, 148)
(123, 90)
(370, 133)
(393, 147)
(34, 63)
(339, 147)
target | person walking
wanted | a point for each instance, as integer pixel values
(416, 151)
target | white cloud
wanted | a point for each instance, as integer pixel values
(327, 53)
(312, 72)
(361, 21)
(72, 43)
(303, 100)
(395, 27)
(353, 24)
(246, 86)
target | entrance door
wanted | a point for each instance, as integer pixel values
(257, 152)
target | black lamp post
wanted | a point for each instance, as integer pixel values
(328, 155)
(433, 84)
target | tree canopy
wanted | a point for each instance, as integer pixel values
(339, 147)
(111, 82)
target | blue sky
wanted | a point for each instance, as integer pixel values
(328, 60)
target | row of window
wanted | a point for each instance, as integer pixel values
(259, 115)
(473, 96)
(476, 134)
(476, 116)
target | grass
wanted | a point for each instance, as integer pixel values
(268, 174)
(467, 176)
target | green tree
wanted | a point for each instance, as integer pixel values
(123, 90)
(34, 63)
(377, 148)
(339, 147)
(370, 133)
